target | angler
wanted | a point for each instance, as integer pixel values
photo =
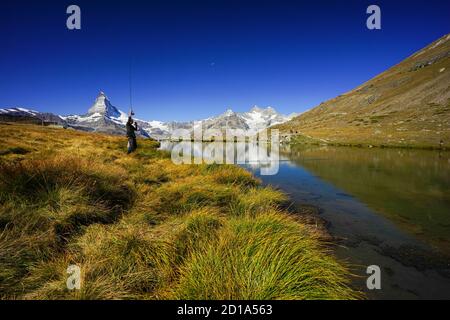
(131, 134)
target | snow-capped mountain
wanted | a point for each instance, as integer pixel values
(28, 115)
(261, 118)
(102, 116)
(101, 113)
(104, 107)
(250, 122)
(253, 121)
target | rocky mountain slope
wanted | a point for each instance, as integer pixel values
(407, 105)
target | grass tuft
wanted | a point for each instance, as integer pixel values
(267, 257)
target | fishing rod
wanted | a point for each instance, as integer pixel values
(130, 112)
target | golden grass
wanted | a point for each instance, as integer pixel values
(141, 227)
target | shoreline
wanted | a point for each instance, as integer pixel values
(332, 144)
(370, 146)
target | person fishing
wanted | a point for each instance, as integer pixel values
(131, 135)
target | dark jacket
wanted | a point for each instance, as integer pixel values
(130, 130)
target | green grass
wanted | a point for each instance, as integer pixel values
(141, 227)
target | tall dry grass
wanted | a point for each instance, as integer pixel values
(140, 227)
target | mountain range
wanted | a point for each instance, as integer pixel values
(104, 117)
(407, 105)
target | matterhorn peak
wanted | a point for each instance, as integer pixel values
(102, 94)
(103, 106)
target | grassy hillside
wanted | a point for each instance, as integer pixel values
(408, 105)
(140, 227)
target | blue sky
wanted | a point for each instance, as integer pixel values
(193, 59)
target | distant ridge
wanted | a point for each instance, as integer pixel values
(30, 116)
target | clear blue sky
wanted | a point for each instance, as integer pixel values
(192, 59)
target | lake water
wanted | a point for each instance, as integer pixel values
(385, 207)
